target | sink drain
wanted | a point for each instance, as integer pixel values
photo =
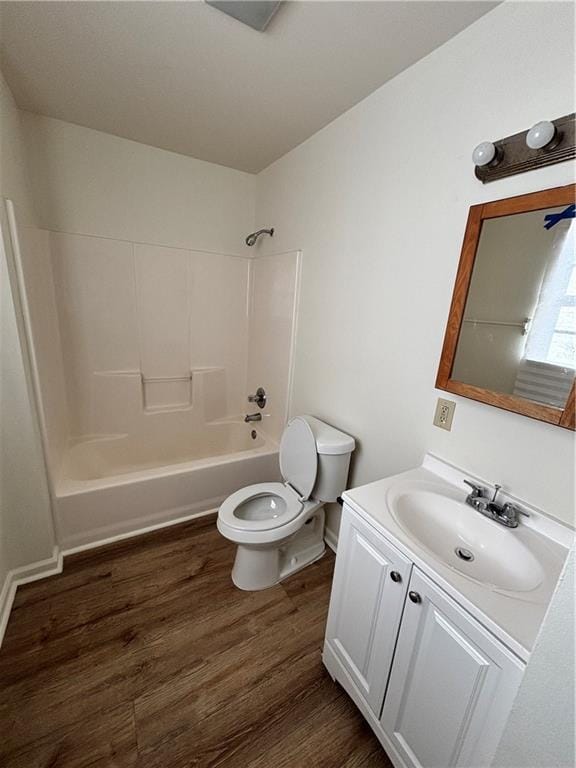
(464, 554)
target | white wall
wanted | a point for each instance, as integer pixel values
(539, 735)
(25, 513)
(378, 202)
(90, 183)
(25, 509)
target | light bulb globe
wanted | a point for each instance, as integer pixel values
(541, 134)
(484, 153)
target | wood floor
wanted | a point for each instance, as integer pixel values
(144, 654)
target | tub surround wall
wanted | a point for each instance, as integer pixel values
(273, 312)
(156, 340)
(381, 230)
(146, 329)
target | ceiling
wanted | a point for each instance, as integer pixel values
(185, 77)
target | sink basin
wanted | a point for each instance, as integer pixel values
(463, 539)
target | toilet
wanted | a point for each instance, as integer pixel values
(279, 527)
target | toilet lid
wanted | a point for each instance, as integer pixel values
(298, 457)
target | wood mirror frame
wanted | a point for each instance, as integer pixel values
(548, 198)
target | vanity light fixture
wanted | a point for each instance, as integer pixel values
(546, 143)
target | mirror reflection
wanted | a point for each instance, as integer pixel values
(518, 335)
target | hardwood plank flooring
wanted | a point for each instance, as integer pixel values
(143, 654)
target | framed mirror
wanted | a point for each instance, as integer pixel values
(510, 339)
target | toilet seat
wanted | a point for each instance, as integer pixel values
(279, 505)
(271, 506)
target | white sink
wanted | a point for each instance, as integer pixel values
(490, 553)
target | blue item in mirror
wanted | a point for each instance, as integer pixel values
(552, 219)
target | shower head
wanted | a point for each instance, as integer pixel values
(251, 239)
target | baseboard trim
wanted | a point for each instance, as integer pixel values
(53, 565)
(24, 575)
(331, 539)
(40, 570)
(136, 532)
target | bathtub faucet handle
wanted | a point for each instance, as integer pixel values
(259, 398)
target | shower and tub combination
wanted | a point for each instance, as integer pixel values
(151, 364)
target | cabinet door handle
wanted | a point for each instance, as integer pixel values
(414, 596)
(395, 576)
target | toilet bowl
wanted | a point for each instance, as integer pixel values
(279, 527)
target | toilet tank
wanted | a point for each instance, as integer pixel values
(334, 449)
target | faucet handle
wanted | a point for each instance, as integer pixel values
(509, 514)
(511, 508)
(477, 490)
(259, 398)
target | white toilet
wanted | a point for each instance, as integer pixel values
(279, 527)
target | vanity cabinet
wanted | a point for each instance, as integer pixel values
(435, 685)
(370, 584)
(451, 686)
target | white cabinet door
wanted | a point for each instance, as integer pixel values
(370, 583)
(452, 684)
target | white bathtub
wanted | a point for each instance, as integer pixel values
(110, 487)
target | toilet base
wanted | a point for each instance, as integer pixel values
(261, 566)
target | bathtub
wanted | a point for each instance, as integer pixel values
(115, 486)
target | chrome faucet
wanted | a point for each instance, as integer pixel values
(506, 514)
(252, 417)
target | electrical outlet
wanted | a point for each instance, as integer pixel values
(444, 413)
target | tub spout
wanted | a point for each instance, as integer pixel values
(252, 417)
